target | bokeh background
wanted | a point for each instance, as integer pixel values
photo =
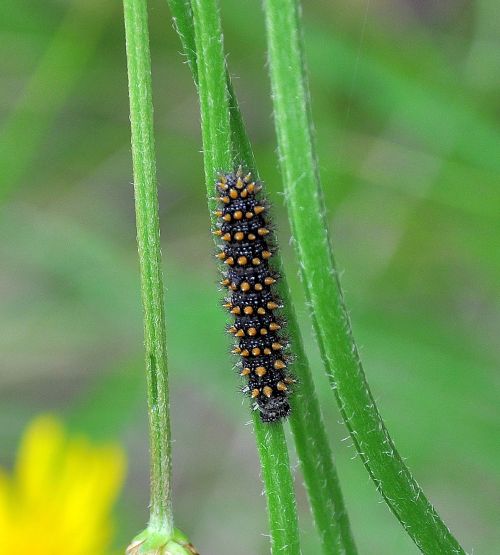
(405, 100)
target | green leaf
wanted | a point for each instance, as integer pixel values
(322, 286)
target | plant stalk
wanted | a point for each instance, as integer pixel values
(322, 286)
(148, 241)
(217, 147)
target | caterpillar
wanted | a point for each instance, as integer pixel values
(247, 246)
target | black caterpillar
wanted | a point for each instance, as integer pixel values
(245, 230)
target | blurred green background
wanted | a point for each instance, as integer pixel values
(405, 100)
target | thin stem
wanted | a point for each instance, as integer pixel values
(278, 481)
(215, 117)
(211, 87)
(182, 16)
(313, 449)
(322, 286)
(148, 241)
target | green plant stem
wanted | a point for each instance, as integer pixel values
(182, 16)
(313, 449)
(215, 118)
(322, 286)
(148, 240)
(273, 454)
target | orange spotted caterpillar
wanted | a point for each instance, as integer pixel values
(244, 229)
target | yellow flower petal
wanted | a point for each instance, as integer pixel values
(61, 495)
(37, 459)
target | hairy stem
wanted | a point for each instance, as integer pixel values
(322, 286)
(148, 241)
(215, 119)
